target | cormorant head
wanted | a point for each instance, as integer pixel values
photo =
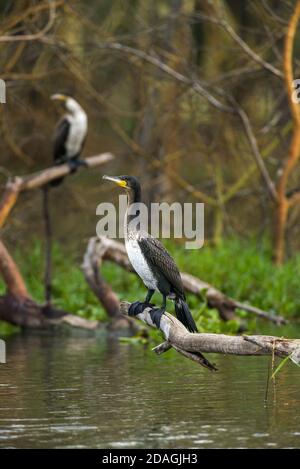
(69, 103)
(129, 183)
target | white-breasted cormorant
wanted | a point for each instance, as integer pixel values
(151, 261)
(70, 135)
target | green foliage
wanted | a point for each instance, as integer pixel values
(280, 366)
(238, 268)
(70, 290)
(7, 329)
(244, 270)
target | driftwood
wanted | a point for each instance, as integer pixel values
(33, 181)
(103, 249)
(193, 345)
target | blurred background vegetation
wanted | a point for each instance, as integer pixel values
(190, 96)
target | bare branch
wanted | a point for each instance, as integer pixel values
(11, 275)
(256, 153)
(40, 34)
(39, 179)
(243, 45)
(194, 84)
(191, 344)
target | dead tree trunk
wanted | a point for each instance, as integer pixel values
(192, 345)
(13, 279)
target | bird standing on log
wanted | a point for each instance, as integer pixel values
(70, 135)
(151, 260)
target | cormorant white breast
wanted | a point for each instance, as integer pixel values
(151, 261)
(70, 135)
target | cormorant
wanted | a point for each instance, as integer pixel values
(70, 135)
(151, 261)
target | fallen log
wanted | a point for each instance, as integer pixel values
(26, 313)
(192, 345)
(104, 249)
(18, 308)
(20, 184)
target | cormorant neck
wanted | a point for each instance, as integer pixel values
(134, 196)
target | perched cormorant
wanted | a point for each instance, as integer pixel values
(70, 135)
(151, 261)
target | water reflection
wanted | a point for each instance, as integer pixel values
(97, 392)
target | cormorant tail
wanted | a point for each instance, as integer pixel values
(184, 315)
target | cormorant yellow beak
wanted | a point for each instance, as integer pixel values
(116, 180)
(59, 97)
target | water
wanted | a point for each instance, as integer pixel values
(83, 392)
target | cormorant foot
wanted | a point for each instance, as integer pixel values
(73, 166)
(138, 307)
(81, 163)
(156, 315)
(75, 163)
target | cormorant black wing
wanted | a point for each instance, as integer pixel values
(161, 262)
(60, 137)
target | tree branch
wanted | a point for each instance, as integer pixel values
(256, 153)
(11, 275)
(194, 84)
(191, 344)
(242, 44)
(39, 179)
(40, 34)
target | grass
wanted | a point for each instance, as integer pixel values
(238, 268)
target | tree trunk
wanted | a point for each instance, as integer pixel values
(294, 150)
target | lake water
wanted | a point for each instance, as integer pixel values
(83, 392)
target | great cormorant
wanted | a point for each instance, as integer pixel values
(70, 135)
(151, 261)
